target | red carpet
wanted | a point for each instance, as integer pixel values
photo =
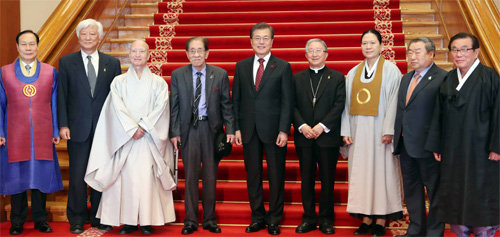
(227, 24)
(62, 229)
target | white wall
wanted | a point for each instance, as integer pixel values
(34, 13)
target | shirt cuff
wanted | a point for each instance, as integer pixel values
(300, 127)
(324, 128)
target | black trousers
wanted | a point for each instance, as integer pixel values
(198, 150)
(77, 211)
(19, 204)
(325, 159)
(419, 173)
(275, 158)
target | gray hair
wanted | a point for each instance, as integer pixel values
(429, 44)
(89, 22)
(316, 40)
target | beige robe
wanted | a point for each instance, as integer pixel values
(374, 173)
(134, 176)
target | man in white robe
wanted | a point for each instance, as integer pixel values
(131, 160)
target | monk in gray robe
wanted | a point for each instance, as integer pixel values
(367, 128)
(131, 160)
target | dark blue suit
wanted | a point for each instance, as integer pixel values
(418, 166)
(79, 110)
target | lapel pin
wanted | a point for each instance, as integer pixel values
(211, 76)
(104, 69)
(272, 66)
(429, 78)
(328, 77)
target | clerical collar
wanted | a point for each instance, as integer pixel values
(317, 70)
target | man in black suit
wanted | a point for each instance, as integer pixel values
(200, 105)
(84, 80)
(263, 105)
(416, 99)
(319, 102)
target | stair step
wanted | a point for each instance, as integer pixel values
(235, 170)
(341, 66)
(269, 16)
(296, 54)
(238, 213)
(280, 41)
(415, 4)
(236, 191)
(296, 28)
(266, 5)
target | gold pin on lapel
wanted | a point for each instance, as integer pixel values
(211, 76)
(429, 78)
(104, 69)
(328, 77)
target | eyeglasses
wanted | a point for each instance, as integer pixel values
(194, 51)
(317, 51)
(463, 51)
(258, 38)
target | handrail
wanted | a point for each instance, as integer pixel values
(485, 18)
(57, 25)
(57, 34)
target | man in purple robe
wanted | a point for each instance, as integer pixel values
(28, 92)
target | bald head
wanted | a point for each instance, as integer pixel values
(139, 54)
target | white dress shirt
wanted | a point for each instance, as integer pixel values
(256, 64)
(95, 62)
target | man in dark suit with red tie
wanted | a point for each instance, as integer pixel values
(84, 80)
(319, 102)
(263, 105)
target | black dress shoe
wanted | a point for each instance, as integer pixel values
(255, 226)
(378, 230)
(188, 229)
(43, 227)
(305, 227)
(327, 229)
(147, 230)
(212, 228)
(363, 229)
(273, 229)
(104, 227)
(76, 229)
(127, 229)
(16, 229)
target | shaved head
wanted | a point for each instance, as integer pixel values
(139, 54)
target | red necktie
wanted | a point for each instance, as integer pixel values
(260, 72)
(413, 84)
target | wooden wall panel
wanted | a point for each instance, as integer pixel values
(9, 27)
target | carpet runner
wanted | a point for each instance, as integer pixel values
(227, 25)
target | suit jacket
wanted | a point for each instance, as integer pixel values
(219, 108)
(330, 102)
(76, 107)
(268, 110)
(413, 120)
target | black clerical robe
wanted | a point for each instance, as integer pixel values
(465, 128)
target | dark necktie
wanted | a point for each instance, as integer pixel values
(197, 96)
(91, 74)
(413, 84)
(260, 72)
(28, 68)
